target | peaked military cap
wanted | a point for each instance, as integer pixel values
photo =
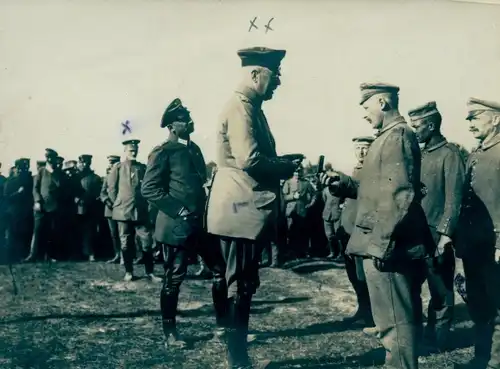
(175, 111)
(261, 56)
(113, 158)
(85, 157)
(371, 89)
(70, 164)
(60, 159)
(131, 142)
(41, 162)
(477, 106)
(368, 139)
(423, 111)
(22, 162)
(50, 153)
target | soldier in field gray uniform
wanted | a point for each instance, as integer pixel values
(130, 210)
(443, 175)
(478, 233)
(108, 212)
(244, 200)
(391, 231)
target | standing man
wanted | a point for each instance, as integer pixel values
(130, 210)
(19, 201)
(331, 216)
(300, 196)
(391, 231)
(87, 205)
(478, 233)
(108, 212)
(354, 264)
(244, 201)
(50, 191)
(173, 184)
(443, 176)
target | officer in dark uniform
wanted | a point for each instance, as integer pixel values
(173, 184)
(354, 264)
(244, 200)
(130, 210)
(443, 176)
(87, 205)
(331, 216)
(71, 239)
(108, 211)
(50, 199)
(478, 233)
(19, 200)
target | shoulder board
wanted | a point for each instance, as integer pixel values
(243, 98)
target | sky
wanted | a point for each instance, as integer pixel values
(71, 71)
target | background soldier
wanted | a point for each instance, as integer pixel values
(173, 183)
(19, 200)
(390, 231)
(331, 216)
(300, 196)
(354, 264)
(50, 201)
(108, 211)
(130, 210)
(244, 200)
(478, 233)
(72, 239)
(443, 177)
(88, 206)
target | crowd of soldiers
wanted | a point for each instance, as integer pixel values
(412, 204)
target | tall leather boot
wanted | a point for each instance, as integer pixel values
(128, 262)
(169, 299)
(149, 266)
(237, 351)
(221, 306)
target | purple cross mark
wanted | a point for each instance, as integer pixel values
(126, 127)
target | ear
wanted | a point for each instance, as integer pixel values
(496, 120)
(254, 75)
(384, 105)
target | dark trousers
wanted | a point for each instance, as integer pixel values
(115, 235)
(440, 275)
(87, 225)
(298, 235)
(175, 265)
(331, 237)
(394, 297)
(241, 261)
(19, 233)
(483, 286)
(356, 275)
(128, 232)
(48, 235)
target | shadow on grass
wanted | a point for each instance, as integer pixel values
(315, 329)
(371, 358)
(287, 300)
(204, 310)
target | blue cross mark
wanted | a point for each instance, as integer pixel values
(126, 127)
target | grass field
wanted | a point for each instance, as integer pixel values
(81, 315)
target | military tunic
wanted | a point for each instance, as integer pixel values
(130, 210)
(108, 212)
(477, 239)
(391, 226)
(87, 209)
(443, 177)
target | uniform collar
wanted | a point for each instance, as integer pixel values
(251, 95)
(435, 143)
(494, 141)
(391, 123)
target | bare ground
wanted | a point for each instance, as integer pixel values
(81, 315)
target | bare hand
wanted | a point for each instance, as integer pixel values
(37, 206)
(296, 195)
(497, 256)
(329, 179)
(444, 241)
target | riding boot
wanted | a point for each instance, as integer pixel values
(169, 299)
(220, 301)
(237, 355)
(275, 258)
(149, 262)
